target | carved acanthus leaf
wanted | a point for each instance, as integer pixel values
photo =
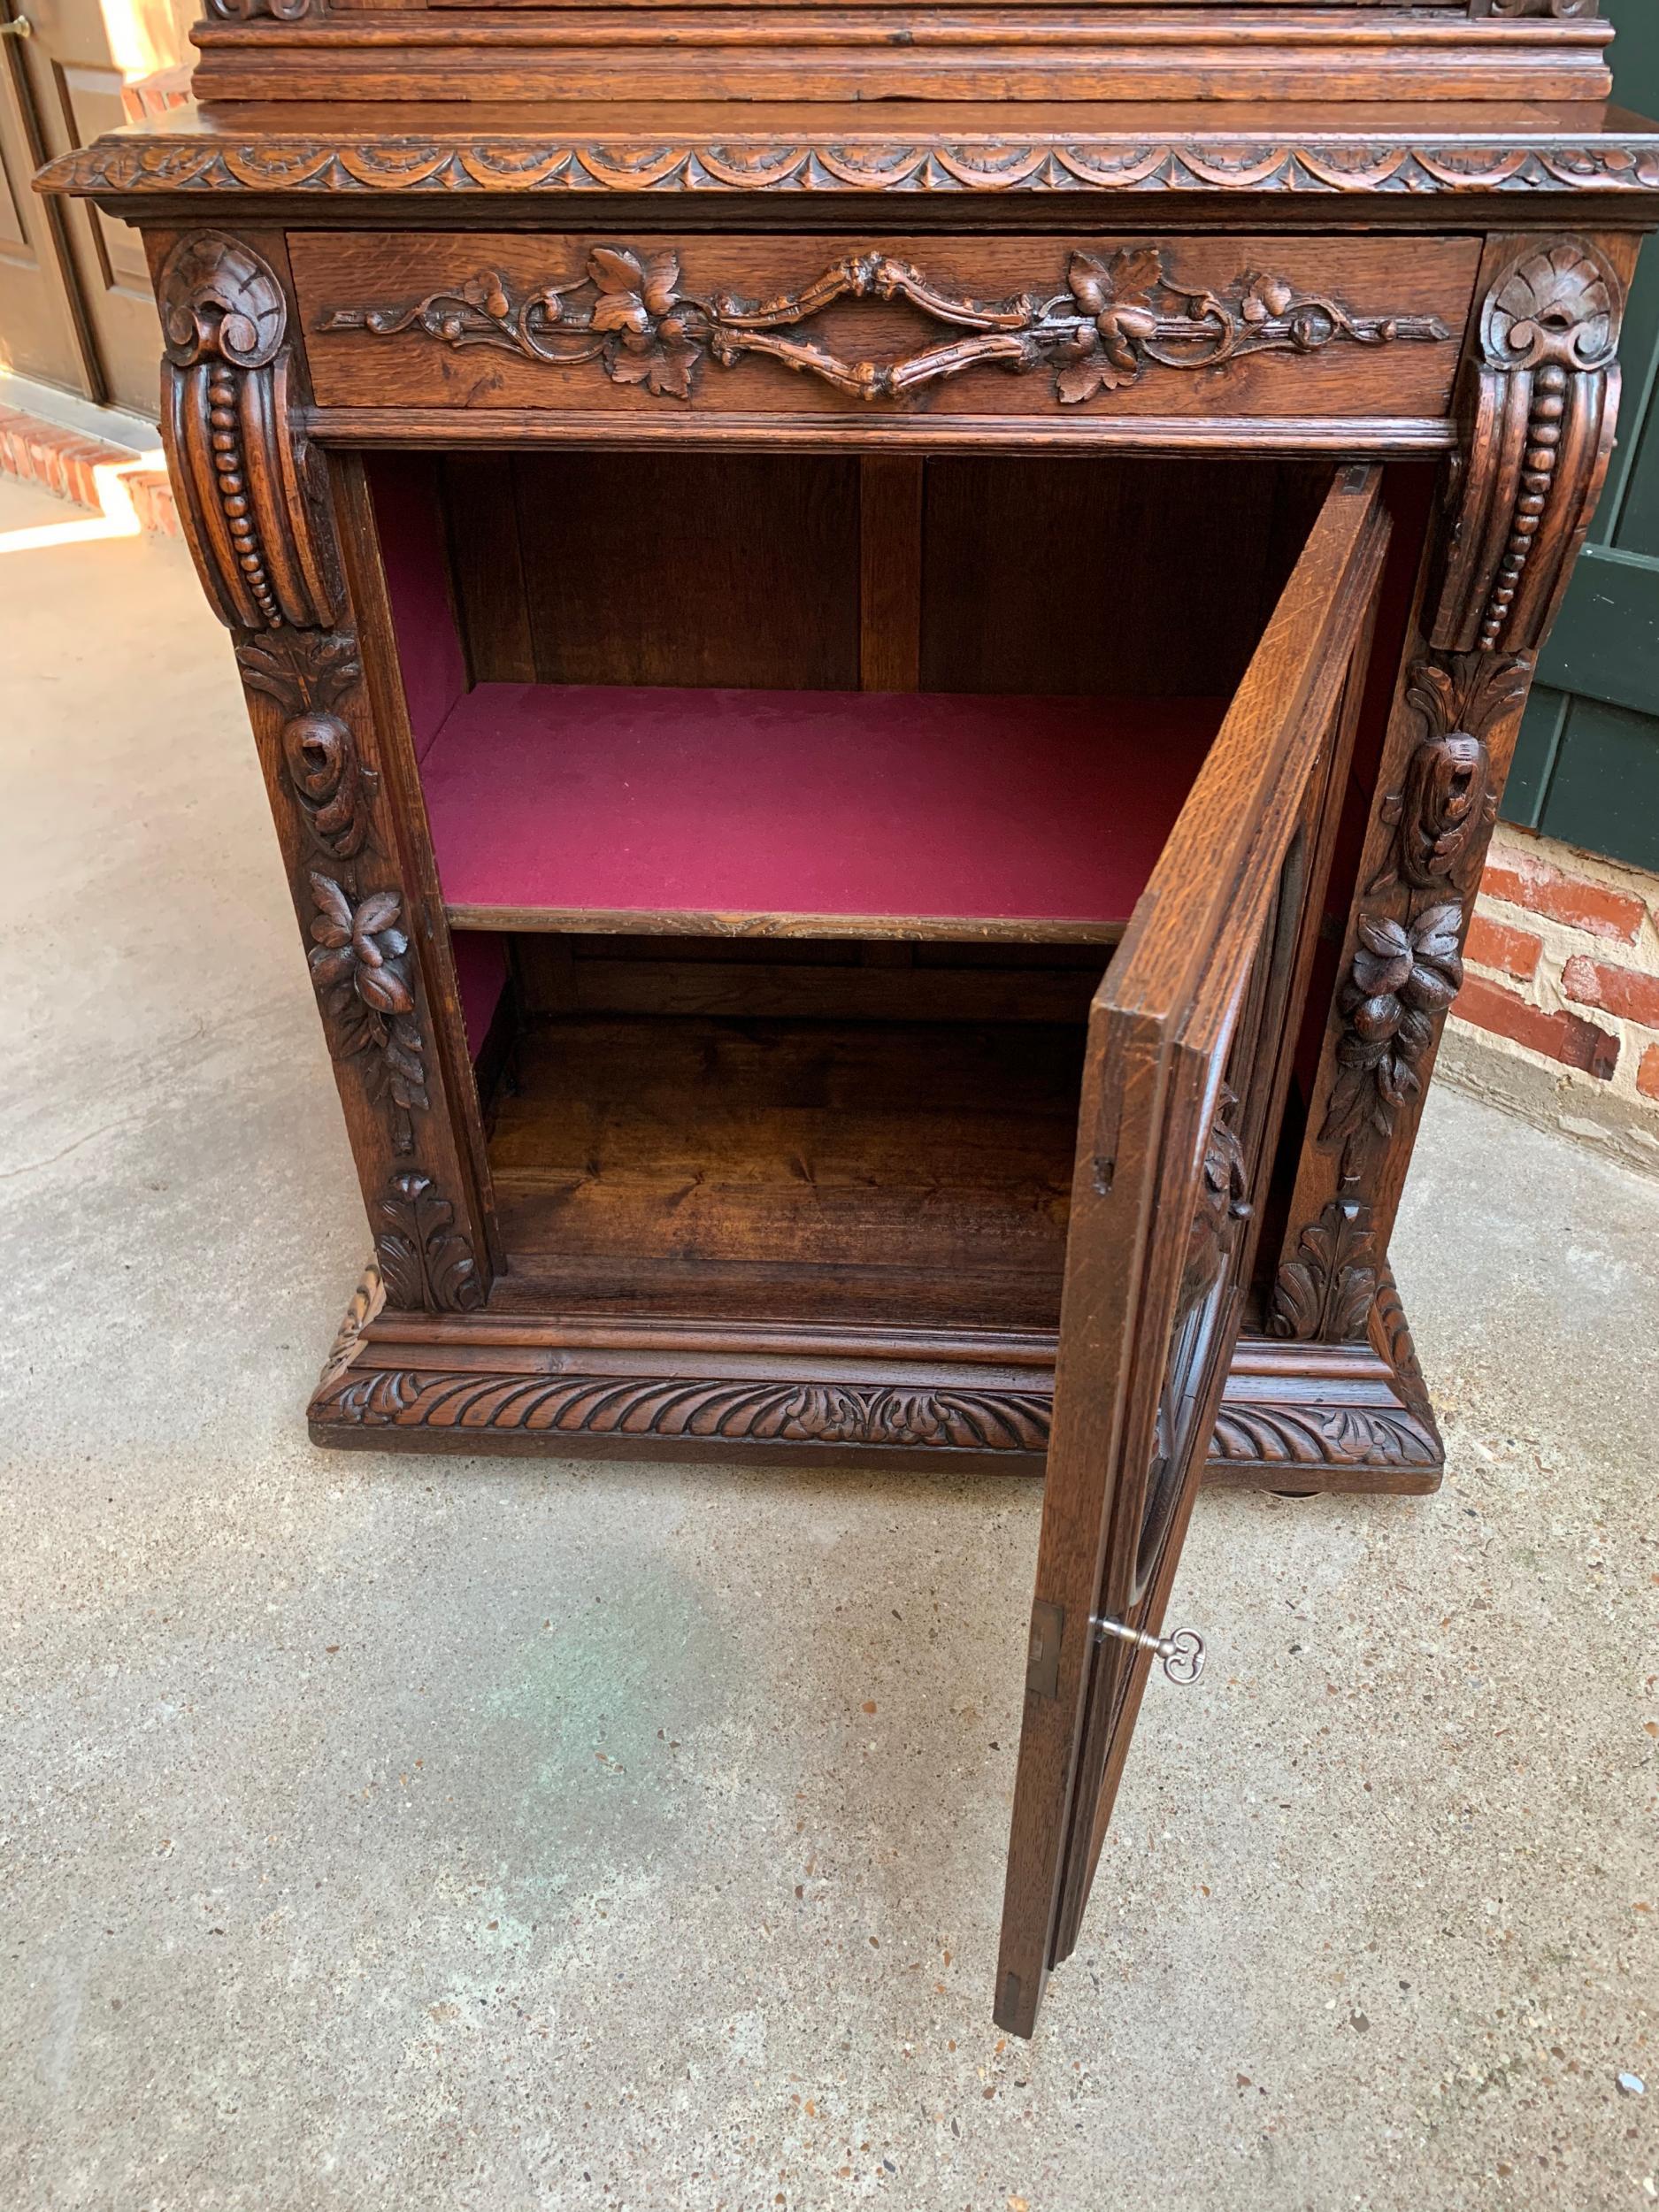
(1327, 1293)
(1319, 1436)
(426, 1261)
(650, 1406)
(628, 312)
(1223, 1204)
(366, 1301)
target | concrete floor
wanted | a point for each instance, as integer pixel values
(388, 1833)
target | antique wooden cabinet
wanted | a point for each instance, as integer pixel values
(884, 639)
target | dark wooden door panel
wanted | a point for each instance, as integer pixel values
(1182, 1094)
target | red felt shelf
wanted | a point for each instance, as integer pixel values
(589, 806)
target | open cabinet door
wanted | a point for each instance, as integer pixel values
(1183, 1089)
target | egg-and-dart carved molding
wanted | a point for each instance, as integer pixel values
(629, 314)
(1338, 164)
(238, 468)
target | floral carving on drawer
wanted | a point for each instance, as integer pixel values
(629, 314)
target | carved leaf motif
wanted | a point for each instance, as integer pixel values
(426, 1261)
(1098, 335)
(1404, 976)
(1327, 1291)
(1223, 1202)
(488, 290)
(358, 966)
(612, 1405)
(1265, 297)
(1310, 1436)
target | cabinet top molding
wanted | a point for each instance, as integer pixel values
(193, 157)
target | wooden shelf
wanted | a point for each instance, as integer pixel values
(821, 813)
(885, 1173)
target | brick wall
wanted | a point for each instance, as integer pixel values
(1558, 1017)
(90, 471)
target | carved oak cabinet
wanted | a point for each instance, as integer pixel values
(884, 639)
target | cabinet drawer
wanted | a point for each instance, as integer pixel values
(625, 326)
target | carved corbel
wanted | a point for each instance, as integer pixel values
(1539, 406)
(238, 468)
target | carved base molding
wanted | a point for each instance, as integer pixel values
(1295, 1415)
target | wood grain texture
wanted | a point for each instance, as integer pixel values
(889, 571)
(1141, 1360)
(641, 324)
(1539, 398)
(1298, 1416)
(838, 1150)
(245, 497)
(1394, 156)
(817, 52)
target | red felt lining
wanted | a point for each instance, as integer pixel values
(858, 804)
(409, 520)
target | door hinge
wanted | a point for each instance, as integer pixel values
(1042, 1658)
(1182, 1654)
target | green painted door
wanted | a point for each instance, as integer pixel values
(1586, 769)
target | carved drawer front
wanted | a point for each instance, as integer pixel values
(647, 327)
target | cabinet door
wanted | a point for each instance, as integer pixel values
(1182, 1093)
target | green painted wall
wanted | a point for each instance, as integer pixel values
(1586, 768)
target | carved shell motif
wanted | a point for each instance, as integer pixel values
(219, 300)
(1559, 304)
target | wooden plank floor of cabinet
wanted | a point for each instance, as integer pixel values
(1179, 1111)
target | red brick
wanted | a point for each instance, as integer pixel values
(1542, 889)
(1625, 992)
(1647, 1072)
(1558, 1036)
(1496, 945)
(65, 462)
